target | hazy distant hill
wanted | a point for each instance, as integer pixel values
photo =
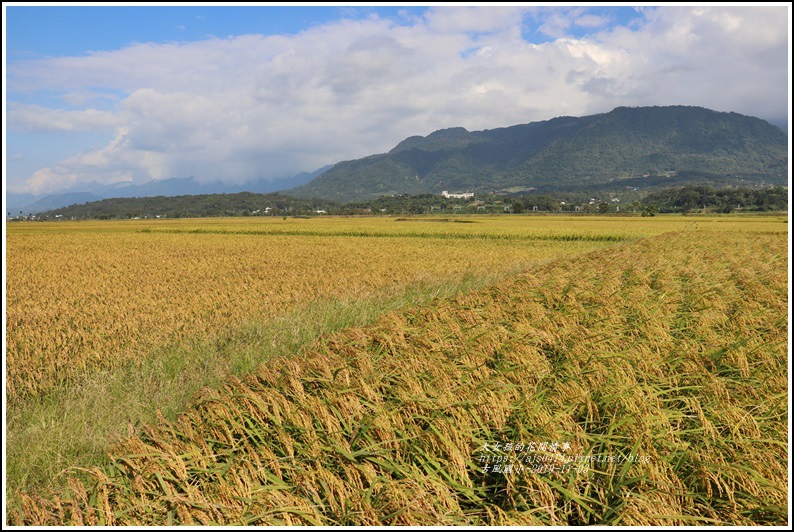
(193, 206)
(642, 145)
(31, 204)
(52, 201)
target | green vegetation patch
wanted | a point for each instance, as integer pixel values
(435, 220)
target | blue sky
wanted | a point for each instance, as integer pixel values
(128, 94)
(42, 31)
(53, 31)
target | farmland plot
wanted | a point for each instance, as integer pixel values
(672, 337)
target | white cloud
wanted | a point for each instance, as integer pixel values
(446, 19)
(591, 21)
(82, 97)
(50, 179)
(38, 118)
(256, 106)
(724, 58)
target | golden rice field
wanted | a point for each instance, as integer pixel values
(87, 295)
(660, 338)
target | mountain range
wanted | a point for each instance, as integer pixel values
(628, 146)
(638, 147)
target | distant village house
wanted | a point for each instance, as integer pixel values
(464, 195)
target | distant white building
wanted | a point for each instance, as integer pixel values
(464, 195)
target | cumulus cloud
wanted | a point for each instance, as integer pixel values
(37, 118)
(256, 106)
(481, 19)
(729, 59)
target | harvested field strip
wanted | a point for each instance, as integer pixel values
(571, 237)
(659, 367)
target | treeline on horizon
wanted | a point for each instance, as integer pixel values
(724, 200)
(683, 200)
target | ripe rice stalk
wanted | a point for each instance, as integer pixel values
(383, 424)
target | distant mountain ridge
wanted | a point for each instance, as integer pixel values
(52, 201)
(643, 147)
(674, 145)
(31, 204)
